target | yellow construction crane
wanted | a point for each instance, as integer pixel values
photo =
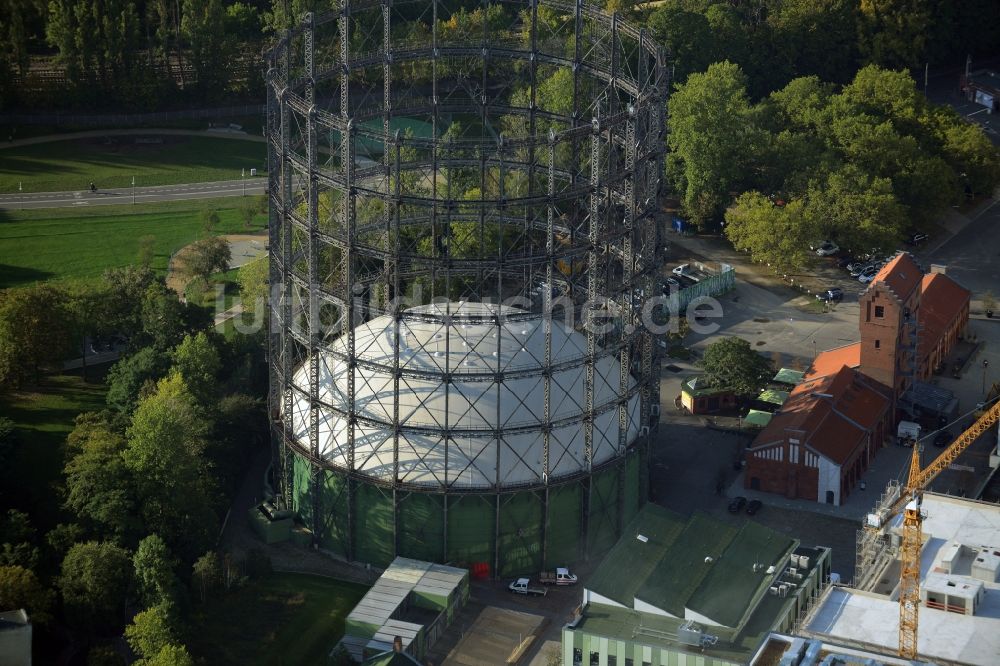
(910, 501)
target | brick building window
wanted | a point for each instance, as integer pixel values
(877, 344)
(879, 311)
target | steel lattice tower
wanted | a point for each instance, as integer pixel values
(463, 235)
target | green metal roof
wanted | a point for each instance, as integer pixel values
(699, 386)
(789, 376)
(730, 588)
(624, 624)
(773, 396)
(757, 418)
(683, 567)
(631, 561)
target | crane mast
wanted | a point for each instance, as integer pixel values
(918, 480)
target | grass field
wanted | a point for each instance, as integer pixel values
(284, 618)
(74, 164)
(60, 243)
(44, 416)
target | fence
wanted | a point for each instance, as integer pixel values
(712, 285)
(128, 119)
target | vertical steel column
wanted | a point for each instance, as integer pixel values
(574, 166)
(287, 175)
(347, 259)
(312, 207)
(593, 294)
(397, 316)
(531, 211)
(550, 242)
(630, 321)
(276, 279)
(390, 257)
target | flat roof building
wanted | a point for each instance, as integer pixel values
(960, 603)
(692, 590)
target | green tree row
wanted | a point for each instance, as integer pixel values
(861, 164)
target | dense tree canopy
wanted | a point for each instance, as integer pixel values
(95, 582)
(733, 364)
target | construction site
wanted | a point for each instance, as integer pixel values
(463, 241)
(927, 570)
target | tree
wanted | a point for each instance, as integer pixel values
(710, 139)
(99, 488)
(207, 256)
(253, 281)
(20, 588)
(251, 208)
(688, 37)
(104, 655)
(203, 26)
(17, 540)
(207, 574)
(165, 320)
(94, 583)
(893, 33)
(35, 332)
(128, 377)
(151, 630)
(197, 360)
(169, 655)
(8, 443)
(210, 220)
(16, 19)
(731, 363)
(154, 571)
(773, 235)
(127, 288)
(166, 443)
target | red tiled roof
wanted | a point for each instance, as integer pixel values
(941, 301)
(832, 360)
(834, 413)
(901, 275)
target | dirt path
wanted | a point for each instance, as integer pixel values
(176, 279)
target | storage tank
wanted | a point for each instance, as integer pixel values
(460, 263)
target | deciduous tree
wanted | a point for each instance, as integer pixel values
(731, 363)
(20, 588)
(94, 583)
(154, 571)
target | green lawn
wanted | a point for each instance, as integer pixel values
(74, 164)
(74, 243)
(44, 416)
(284, 618)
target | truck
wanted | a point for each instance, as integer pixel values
(907, 433)
(523, 586)
(561, 576)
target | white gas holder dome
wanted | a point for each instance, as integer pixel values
(469, 397)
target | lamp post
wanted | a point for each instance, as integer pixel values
(133, 190)
(986, 364)
(243, 175)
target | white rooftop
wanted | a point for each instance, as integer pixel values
(481, 341)
(954, 586)
(873, 619)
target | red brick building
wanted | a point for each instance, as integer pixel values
(823, 438)
(827, 432)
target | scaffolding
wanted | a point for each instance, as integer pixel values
(445, 167)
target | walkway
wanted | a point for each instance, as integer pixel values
(127, 195)
(220, 133)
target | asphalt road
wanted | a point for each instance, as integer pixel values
(973, 254)
(123, 195)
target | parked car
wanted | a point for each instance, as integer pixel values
(845, 261)
(857, 268)
(827, 248)
(669, 283)
(737, 503)
(561, 576)
(943, 439)
(754, 506)
(868, 274)
(916, 239)
(684, 271)
(834, 294)
(522, 586)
